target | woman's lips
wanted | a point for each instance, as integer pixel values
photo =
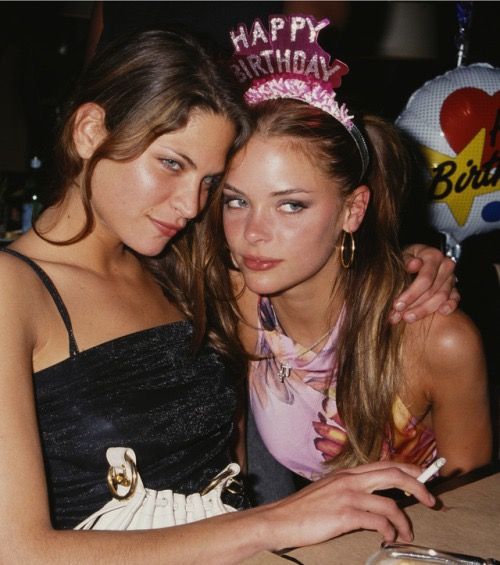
(260, 263)
(167, 230)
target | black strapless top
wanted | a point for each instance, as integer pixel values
(147, 391)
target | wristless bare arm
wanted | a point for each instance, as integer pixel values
(340, 503)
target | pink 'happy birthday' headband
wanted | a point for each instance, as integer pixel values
(286, 61)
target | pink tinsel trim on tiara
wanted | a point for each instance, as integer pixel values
(286, 61)
(297, 89)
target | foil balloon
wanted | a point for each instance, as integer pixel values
(455, 118)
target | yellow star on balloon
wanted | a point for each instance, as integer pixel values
(460, 203)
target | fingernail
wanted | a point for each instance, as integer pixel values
(408, 538)
(410, 318)
(445, 310)
(400, 306)
(395, 318)
(432, 500)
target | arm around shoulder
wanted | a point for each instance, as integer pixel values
(456, 382)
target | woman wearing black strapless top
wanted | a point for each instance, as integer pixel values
(100, 347)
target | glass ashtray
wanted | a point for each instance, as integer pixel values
(407, 554)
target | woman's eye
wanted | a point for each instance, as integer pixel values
(292, 207)
(171, 164)
(233, 202)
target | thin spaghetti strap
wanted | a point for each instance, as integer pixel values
(73, 347)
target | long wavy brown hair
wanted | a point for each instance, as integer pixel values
(369, 349)
(148, 84)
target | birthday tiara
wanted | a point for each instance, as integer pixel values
(286, 61)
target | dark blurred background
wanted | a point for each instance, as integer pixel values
(392, 48)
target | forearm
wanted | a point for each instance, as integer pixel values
(222, 540)
(330, 507)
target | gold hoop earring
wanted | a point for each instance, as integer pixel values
(348, 263)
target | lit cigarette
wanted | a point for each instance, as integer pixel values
(431, 470)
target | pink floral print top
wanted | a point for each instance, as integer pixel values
(296, 411)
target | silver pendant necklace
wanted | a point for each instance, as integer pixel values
(284, 372)
(285, 369)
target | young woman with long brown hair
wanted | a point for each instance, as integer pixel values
(310, 210)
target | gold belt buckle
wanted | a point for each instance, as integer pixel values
(116, 479)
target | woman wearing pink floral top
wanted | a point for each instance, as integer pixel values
(297, 416)
(334, 383)
(310, 210)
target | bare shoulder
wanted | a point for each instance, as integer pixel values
(23, 296)
(445, 348)
(452, 339)
(17, 277)
(16, 281)
(18, 335)
(247, 303)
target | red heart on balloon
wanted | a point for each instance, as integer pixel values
(467, 110)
